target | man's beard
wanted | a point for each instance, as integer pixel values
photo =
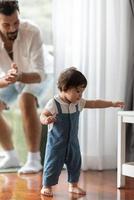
(12, 35)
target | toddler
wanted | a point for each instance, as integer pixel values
(61, 114)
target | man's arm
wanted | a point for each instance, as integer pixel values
(13, 76)
(28, 77)
(21, 77)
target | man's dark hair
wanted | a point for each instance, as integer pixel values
(8, 7)
(71, 78)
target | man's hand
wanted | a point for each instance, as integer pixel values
(11, 77)
(3, 106)
(12, 74)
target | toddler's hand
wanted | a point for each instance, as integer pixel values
(50, 119)
(118, 104)
(47, 120)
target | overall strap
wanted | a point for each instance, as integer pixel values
(58, 106)
(77, 110)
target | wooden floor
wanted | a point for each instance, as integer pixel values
(99, 186)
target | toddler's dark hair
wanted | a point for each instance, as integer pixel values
(71, 78)
(8, 7)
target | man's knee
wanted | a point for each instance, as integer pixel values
(27, 101)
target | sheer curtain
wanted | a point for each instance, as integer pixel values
(130, 92)
(93, 35)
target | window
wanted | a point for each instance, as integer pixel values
(40, 12)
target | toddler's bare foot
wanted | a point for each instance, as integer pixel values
(47, 191)
(76, 190)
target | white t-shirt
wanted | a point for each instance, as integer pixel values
(65, 107)
(27, 51)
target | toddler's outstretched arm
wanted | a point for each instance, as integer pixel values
(103, 104)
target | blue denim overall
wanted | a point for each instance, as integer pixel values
(63, 147)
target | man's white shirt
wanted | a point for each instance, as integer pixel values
(27, 51)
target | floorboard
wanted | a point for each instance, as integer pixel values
(100, 185)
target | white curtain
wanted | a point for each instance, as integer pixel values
(93, 35)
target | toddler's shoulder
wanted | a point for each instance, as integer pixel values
(81, 104)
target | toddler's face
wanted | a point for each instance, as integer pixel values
(74, 94)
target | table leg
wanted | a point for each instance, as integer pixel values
(121, 152)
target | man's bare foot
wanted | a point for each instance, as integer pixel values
(76, 190)
(47, 191)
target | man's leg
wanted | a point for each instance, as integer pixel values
(32, 130)
(11, 158)
(5, 134)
